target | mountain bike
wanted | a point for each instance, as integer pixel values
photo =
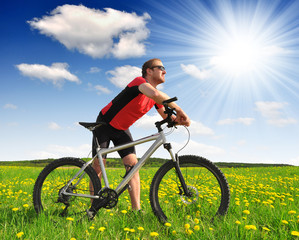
(184, 185)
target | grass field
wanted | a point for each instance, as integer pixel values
(264, 205)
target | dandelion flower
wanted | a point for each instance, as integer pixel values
(154, 234)
(70, 219)
(187, 226)
(246, 212)
(250, 227)
(237, 222)
(15, 209)
(20, 234)
(295, 233)
(266, 229)
(196, 221)
(167, 224)
(292, 212)
(127, 229)
(140, 228)
(102, 229)
(196, 228)
(124, 211)
(189, 232)
(174, 232)
(73, 238)
(25, 205)
(284, 222)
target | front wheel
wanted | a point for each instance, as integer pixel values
(207, 186)
(47, 193)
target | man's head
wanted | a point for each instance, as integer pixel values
(154, 70)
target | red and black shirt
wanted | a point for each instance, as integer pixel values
(128, 106)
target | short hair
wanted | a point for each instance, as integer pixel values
(148, 64)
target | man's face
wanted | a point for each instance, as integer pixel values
(158, 74)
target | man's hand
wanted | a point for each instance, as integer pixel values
(182, 118)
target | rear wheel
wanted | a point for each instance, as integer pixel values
(47, 195)
(208, 190)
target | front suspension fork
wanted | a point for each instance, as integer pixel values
(181, 178)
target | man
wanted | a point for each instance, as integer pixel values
(132, 103)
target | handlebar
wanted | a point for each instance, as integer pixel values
(169, 111)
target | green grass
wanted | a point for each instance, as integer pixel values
(264, 205)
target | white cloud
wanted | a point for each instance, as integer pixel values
(121, 76)
(94, 32)
(94, 70)
(197, 128)
(147, 121)
(58, 151)
(273, 112)
(10, 106)
(99, 89)
(195, 72)
(230, 121)
(53, 126)
(200, 149)
(57, 73)
(274, 50)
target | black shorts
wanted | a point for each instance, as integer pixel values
(107, 133)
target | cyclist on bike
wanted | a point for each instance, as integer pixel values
(132, 103)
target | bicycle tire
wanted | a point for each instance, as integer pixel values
(53, 178)
(211, 195)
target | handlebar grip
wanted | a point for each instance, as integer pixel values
(170, 100)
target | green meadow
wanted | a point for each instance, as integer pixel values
(264, 205)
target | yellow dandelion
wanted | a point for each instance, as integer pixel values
(266, 229)
(154, 234)
(167, 224)
(187, 226)
(127, 229)
(284, 222)
(26, 205)
(246, 212)
(102, 229)
(174, 232)
(211, 229)
(295, 233)
(124, 211)
(15, 209)
(196, 221)
(20, 234)
(189, 231)
(237, 222)
(132, 230)
(70, 219)
(250, 227)
(292, 212)
(73, 238)
(196, 228)
(140, 228)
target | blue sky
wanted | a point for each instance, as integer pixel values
(232, 64)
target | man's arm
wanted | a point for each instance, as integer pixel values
(158, 96)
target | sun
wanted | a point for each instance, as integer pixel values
(241, 54)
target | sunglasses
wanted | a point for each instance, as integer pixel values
(162, 68)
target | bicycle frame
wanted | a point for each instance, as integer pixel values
(159, 139)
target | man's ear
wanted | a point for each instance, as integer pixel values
(149, 71)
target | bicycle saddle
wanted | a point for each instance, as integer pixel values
(92, 125)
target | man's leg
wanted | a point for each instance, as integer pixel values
(97, 168)
(134, 191)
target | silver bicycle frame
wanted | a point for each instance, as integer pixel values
(159, 139)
